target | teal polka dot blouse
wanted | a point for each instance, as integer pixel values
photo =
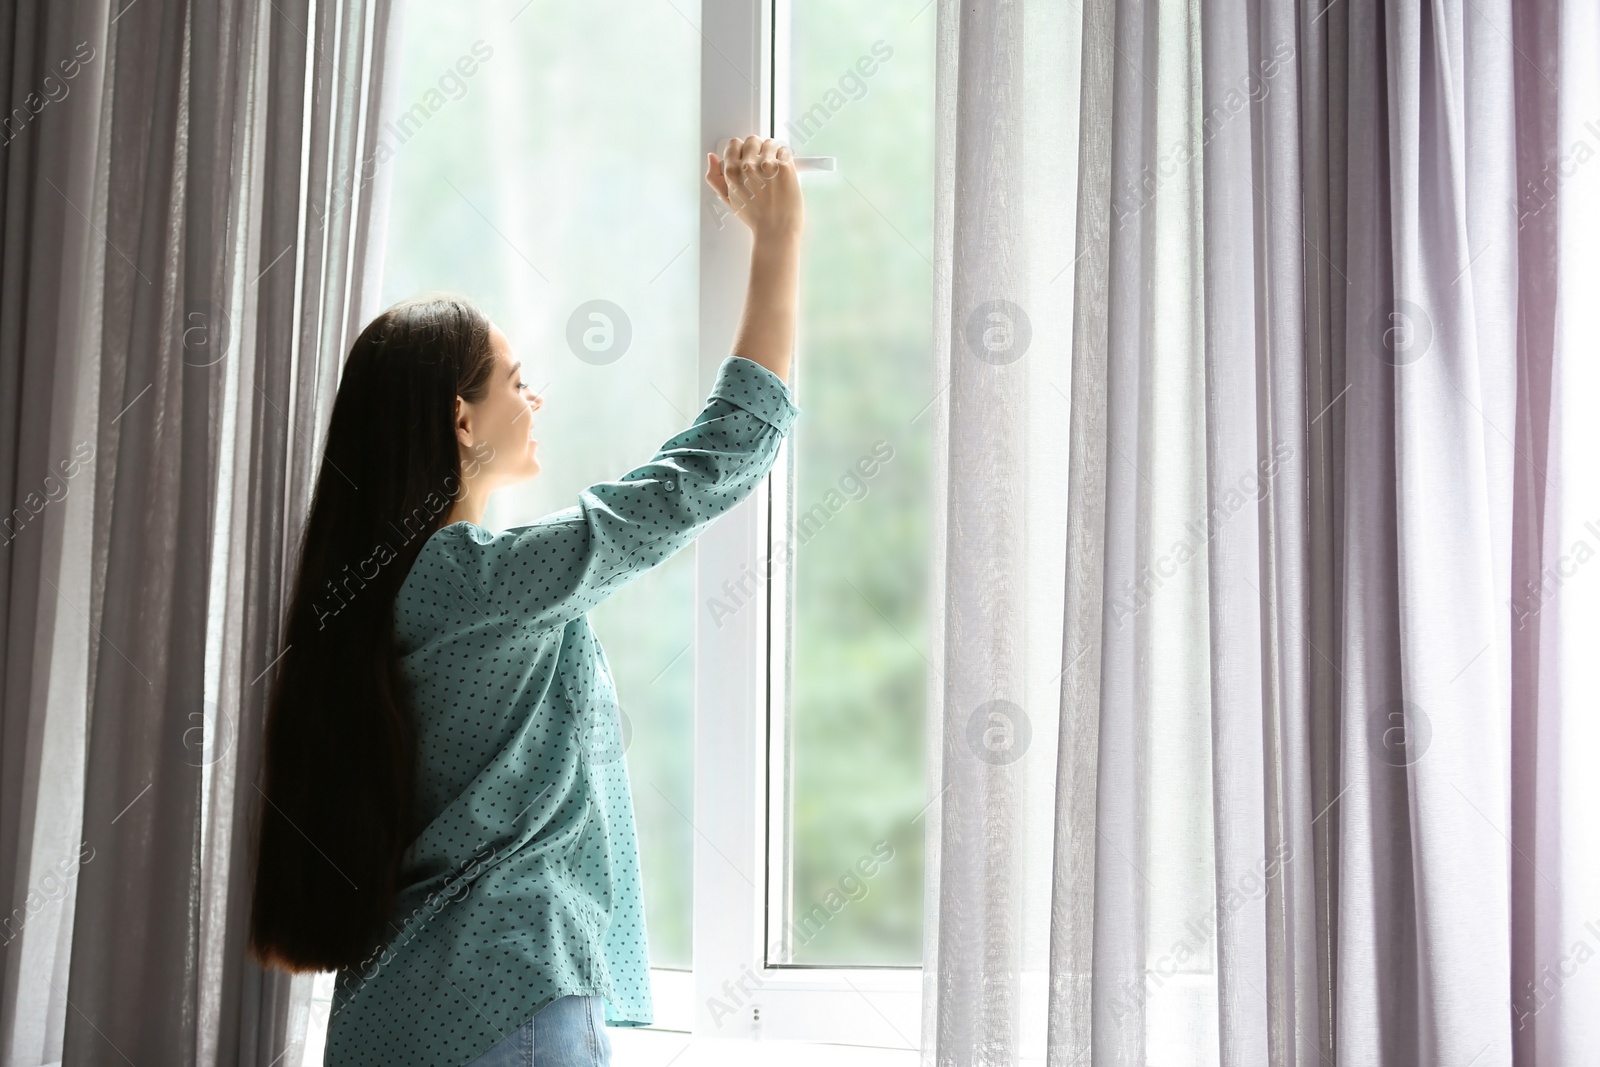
(523, 885)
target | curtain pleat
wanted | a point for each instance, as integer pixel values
(1431, 353)
(1376, 971)
(1455, 255)
(1072, 941)
(1259, 613)
(1554, 996)
(1323, 68)
(983, 658)
(136, 913)
(1535, 32)
(50, 249)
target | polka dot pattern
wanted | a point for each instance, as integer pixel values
(522, 884)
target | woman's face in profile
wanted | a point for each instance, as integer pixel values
(499, 431)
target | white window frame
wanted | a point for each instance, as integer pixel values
(740, 688)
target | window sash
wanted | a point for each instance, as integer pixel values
(741, 844)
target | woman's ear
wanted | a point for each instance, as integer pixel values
(463, 424)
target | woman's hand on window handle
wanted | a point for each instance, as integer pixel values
(756, 178)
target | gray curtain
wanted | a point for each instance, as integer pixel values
(1264, 730)
(186, 253)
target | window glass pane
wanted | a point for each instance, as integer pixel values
(858, 85)
(565, 170)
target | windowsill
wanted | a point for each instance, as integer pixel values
(645, 1047)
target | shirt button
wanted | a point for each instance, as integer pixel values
(669, 485)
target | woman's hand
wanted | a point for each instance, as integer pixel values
(756, 178)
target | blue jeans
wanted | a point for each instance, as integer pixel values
(568, 1032)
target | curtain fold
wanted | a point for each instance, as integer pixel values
(1432, 355)
(1316, 768)
(49, 254)
(1260, 568)
(186, 253)
(1556, 984)
(1535, 31)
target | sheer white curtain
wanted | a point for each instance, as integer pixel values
(1261, 733)
(1006, 148)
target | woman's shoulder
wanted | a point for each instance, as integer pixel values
(476, 553)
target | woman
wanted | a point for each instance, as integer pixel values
(447, 822)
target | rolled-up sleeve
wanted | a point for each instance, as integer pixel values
(554, 570)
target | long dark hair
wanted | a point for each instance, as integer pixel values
(340, 744)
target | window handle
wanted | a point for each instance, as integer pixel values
(816, 163)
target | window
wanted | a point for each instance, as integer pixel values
(856, 82)
(833, 652)
(548, 161)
